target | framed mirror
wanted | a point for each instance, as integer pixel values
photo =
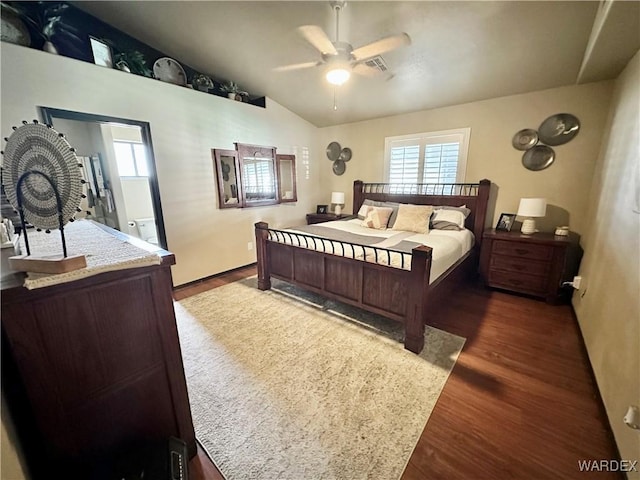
(228, 172)
(286, 168)
(119, 165)
(257, 175)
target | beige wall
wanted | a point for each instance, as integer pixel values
(493, 123)
(608, 306)
(185, 126)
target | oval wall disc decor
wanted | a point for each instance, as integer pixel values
(538, 157)
(35, 147)
(339, 167)
(345, 154)
(558, 129)
(525, 139)
(333, 151)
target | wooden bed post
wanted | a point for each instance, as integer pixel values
(484, 189)
(264, 272)
(417, 308)
(358, 185)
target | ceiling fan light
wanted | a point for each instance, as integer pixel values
(338, 76)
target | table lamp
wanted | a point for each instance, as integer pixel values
(531, 208)
(337, 198)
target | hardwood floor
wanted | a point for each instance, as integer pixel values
(520, 403)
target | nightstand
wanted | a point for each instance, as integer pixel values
(324, 217)
(534, 264)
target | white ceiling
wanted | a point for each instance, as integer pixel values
(460, 52)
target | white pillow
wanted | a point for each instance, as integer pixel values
(413, 218)
(447, 218)
(462, 208)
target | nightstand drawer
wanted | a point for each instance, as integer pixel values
(524, 250)
(519, 265)
(517, 281)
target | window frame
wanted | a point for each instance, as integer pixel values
(423, 139)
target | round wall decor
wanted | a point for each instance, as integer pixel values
(538, 157)
(339, 167)
(333, 151)
(525, 139)
(558, 129)
(345, 154)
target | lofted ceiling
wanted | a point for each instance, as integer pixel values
(460, 51)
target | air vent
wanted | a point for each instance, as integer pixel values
(377, 63)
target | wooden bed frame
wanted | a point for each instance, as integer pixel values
(399, 294)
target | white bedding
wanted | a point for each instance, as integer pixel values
(448, 245)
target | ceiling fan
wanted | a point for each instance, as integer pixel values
(341, 57)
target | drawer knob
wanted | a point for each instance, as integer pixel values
(518, 267)
(515, 282)
(521, 251)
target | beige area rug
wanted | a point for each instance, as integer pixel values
(284, 388)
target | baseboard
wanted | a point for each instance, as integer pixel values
(182, 286)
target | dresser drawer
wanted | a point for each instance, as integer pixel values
(522, 282)
(519, 265)
(524, 250)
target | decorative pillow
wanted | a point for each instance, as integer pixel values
(376, 217)
(372, 203)
(446, 219)
(413, 218)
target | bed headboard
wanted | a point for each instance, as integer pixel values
(474, 195)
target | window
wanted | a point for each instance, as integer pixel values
(131, 158)
(433, 157)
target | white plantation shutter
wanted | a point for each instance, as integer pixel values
(257, 176)
(437, 157)
(404, 164)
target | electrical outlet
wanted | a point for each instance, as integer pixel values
(577, 280)
(250, 246)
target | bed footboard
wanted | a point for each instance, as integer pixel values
(395, 293)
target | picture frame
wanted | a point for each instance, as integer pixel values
(505, 222)
(321, 209)
(101, 52)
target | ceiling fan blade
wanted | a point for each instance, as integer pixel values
(296, 66)
(316, 37)
(366, 71)
(381, 46)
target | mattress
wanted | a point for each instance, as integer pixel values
(385, 247)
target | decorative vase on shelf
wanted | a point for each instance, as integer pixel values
(201, 82)
(50, 47)
(122, 65)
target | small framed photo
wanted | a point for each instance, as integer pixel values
(505, 222)
(321, 209)
(101, 53)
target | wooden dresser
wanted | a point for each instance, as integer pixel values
(93, 367)
(534, 264)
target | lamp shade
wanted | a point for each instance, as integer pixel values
(337, 197)
(532, 207)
